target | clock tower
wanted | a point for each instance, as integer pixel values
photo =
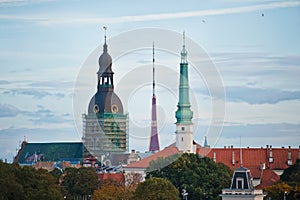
(105, 126)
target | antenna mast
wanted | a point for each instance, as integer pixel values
(153, 60)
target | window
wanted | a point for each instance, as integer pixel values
(182, 128)
(240, 183)
(182, 139)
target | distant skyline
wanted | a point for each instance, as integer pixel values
(44, 44)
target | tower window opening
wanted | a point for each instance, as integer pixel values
(182, 139)
(182, 128)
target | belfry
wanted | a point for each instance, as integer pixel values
(105, 126)
(184, 114)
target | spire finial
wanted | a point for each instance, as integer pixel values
(105, 45)
(105, 28)
(184, 38)
(183, 52)
(153, 60)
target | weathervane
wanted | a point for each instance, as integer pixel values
(105, 28)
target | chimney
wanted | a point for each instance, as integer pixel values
(289, 162)
(133, 151)
(232, 157)
(262, 166)
(215, 157)
(271, 159)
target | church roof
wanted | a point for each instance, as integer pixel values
(56, 151)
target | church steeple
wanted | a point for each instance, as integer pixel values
(105, 73)
(184, 115)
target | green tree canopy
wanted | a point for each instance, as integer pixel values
(200, 177)
(291, 175)
(161, 162)
(27, 183)
(79, 182)
(156, 189)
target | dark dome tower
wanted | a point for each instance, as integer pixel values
(105, 127)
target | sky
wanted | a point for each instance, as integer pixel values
(253, 48)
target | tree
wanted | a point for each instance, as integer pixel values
(10, 187)
(161, 162)
(277, 191)
(289, 183)
(79, 182)
(200, 177)
(27, 183)
(291, 175)
(156, 189)
(110, 190)
(57, 174)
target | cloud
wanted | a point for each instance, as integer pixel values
(4, 82)
(5, 3)
(46, 116)
(37, 94)
(260, 95)
(152, 17)
(53, 84)
(7, 110)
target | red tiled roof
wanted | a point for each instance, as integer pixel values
(269, 177)
(144, 163)
(253, 157)
(112, 177)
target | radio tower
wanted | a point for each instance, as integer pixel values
(154, 143)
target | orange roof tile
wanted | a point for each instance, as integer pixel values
(253, 157)
(112, 177)
(144, 163)
(269, 177)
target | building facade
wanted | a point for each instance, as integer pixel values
(105, 126)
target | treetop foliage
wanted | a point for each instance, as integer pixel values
(27, 183)
(199, 176)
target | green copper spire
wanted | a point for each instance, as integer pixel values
(184, 113)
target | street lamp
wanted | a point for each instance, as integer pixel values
(284, 195)
(184, 194)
